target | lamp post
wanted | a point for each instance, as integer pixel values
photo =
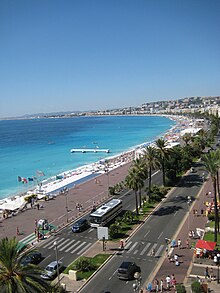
(56, 253)
(107, 173)
(189, 202)
(65, 193)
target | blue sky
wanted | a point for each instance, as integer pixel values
(100, 54)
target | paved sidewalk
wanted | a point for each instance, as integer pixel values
(55, 210)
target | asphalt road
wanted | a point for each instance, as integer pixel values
(71, 245)
(163, 223)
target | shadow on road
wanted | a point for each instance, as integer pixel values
(166, 210)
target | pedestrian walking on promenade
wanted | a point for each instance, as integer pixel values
(161, 285)
(17, 231)
(173, 282)
(187, 243)
(206, 272)
(179, 243)
(156, 283)
(168, 280)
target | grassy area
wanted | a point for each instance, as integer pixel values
(96, 261)
(209, 236)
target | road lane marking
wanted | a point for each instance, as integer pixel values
(145, 249)
(159, 250)
(61, 244)
(52, 245)
(68, 249)
(160, 235)
(133, 246)
(65, 246)
(146, 234)
(127, 245)
(83, 243)
(84, 248)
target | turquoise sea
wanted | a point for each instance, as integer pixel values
(28, 146)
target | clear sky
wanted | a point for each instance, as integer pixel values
(66, 55)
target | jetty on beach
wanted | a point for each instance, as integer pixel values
(96, 150)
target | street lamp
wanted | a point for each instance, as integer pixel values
(65, 193)
(107, 173)
(136, 285)
(56, 253)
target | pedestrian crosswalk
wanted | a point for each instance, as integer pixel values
(68, 245)
(78, 246)
(143, 249)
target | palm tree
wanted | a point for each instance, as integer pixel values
(211, 163)
(139, 166)
(187, 137)
(150, 155)
(134, 181)
(162, 153)
(15, 277)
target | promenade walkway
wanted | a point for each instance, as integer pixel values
(55, 211)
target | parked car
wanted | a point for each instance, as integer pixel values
(80, 225)
(50, 271)
(34, 257)
(127, 270)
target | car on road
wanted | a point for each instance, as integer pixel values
(33, 257)
(80, 225)
(127, 270)
(50, 271)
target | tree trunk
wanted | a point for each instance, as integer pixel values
(140, 202)
(149, 184)
(136, 201)
(163, 171)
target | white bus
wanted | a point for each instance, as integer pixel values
(105, 213)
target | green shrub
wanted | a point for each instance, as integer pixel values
(196, 287)
(180, 288)
(84, 264)
(113, 231)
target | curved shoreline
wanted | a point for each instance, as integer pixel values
(72, 176)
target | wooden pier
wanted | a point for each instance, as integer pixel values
(97, 150)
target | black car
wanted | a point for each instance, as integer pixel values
(33, 258)
(80, 225)
(127, 270)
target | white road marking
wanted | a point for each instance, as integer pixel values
(65, 246)
(84, 248)
(145, 249)
(72, 246)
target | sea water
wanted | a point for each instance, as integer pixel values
(33, 145)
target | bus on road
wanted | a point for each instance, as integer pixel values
(105, 213)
